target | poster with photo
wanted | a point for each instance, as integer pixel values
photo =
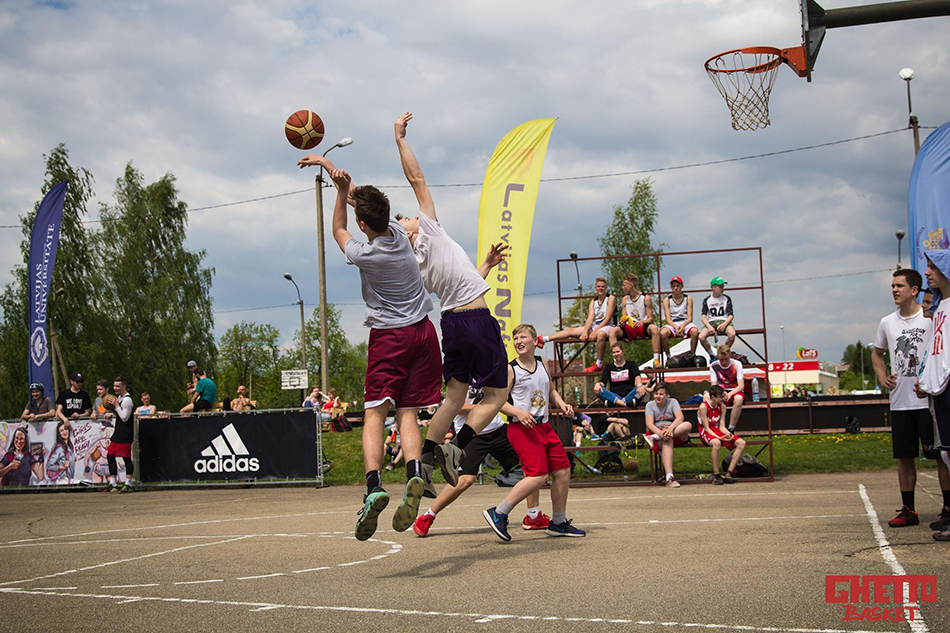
(51, 453)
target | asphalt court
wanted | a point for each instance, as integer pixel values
(749, 557)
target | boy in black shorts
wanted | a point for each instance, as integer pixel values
(493, 440)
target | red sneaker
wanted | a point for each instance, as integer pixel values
(593, 369)
(541, 522)
(539, 342)
(907, 517)
(422, 525)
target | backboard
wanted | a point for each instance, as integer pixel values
(813, 32)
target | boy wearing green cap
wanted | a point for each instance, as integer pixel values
(717, 315)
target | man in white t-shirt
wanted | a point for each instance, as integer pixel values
(905, 333)
(473, 352)
(727, 372)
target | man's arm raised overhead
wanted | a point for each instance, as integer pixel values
(410, 166)
(342, 181)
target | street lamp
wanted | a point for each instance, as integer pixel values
(907, 74)
(303, 335)
(784, 364)
(322, 268)
(899, 235)
(573, 256)
(861, 346)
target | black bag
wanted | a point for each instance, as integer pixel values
(700, 361)
(340, 424)
(851, 424)
(508, 480)
(748, 466)
(742, 358)
(686, 359)
(609, 463)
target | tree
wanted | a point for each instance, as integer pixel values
(153, 293)
(631, 233)
(249, 354)
(852, 356)
(347, 362)
(74, 274)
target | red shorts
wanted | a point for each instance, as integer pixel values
(634, 332)
(716, 435)
(539, 449)
(728, 400)
(120, 450)
(404, 365)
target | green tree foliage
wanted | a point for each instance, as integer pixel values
(346, 362)
(249, 354)
(631, 233)
(852, 356)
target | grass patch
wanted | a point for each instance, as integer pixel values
(792, 454)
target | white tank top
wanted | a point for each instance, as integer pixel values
(531, 391)
(635, 308)
(600, 311)
(474, 397)
(678, 311)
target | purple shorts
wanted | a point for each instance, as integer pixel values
(473, 350)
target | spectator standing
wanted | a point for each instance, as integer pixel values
(666, 429)
(122, 437)
(73, 403)
(717, 315)
(98, 406)
(205, 393)
(40, 406)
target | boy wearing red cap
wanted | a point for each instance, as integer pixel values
(678, 312)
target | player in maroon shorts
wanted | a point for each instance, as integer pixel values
(537, 444)
(714, 434)
(636, 317)
(726, 372)
(404, 367)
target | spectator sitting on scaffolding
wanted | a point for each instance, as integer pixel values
(717, 316)
(636, 317)
(623, 376)
(600, 320)
(678, 311)
(727, 372)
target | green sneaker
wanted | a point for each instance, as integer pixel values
(406, 513)
(115, 489)
(373, 503)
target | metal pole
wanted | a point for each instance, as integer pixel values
(914, 124)
(303, 339)
(322, 267)
(784, 364)
(864, 383)
(878, 13)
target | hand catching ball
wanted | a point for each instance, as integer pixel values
(304, 129)
(110, 402)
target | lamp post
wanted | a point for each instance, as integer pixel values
(784, 364)
(899, 235)
(907, 74)
(861, 346)
(573, 256)
(303, 335)
(322, 268)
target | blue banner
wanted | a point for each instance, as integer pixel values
(44, 242)
(928, 199)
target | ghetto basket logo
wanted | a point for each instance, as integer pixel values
(227, 454)
(894, 598)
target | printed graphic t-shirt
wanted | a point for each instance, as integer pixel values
(906, 340)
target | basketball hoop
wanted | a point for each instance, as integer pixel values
(744, 78)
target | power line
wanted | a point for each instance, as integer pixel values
(562, 179)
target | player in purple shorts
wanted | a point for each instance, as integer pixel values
(474, 353)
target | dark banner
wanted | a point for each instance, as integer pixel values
(238, 446)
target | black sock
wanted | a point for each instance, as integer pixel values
(428, 446)
(413, 469)
(373, 481)
(466, 435)
(946, 498)
(907, 498)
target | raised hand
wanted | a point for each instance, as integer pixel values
(401, 124)
(341, 179)
(311, 160)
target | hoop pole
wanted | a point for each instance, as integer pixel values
(877, 13)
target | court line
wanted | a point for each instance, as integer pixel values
(153, 584)
(197, 582)
(475, 617)
(917, 625)
(124, 560)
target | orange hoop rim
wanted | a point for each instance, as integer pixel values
(750, 50)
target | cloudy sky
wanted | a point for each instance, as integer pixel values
(202, 90)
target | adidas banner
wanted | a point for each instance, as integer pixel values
(228, 447)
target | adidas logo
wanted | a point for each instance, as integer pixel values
(227, 455)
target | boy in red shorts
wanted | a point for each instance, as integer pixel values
(537, 444)
(713, 433)
(122, 438)
(636, 317)
(726, 372)
(404, 364)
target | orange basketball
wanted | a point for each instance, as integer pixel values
(304, 129)
(110, 402)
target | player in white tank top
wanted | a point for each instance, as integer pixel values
(678, 310)
(636, 319)
(601, 317)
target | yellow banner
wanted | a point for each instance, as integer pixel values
(505, 214)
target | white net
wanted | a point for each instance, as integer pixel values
(744, 78)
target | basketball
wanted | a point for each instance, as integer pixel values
(109, 402)
(631, 465)
(304, 129)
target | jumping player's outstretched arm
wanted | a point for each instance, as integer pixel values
(410, 166)
(496, 255)
(342, 181)
(322, 161)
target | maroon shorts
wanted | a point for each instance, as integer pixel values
(474, 351)
(120, 450)
(404, 365)
(539, 449)
(635, 332)
(707, 439)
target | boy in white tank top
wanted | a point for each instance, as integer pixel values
(636, 317)
(678, 311)
(600, 321)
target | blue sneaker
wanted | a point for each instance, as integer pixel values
(499, 523)
(373, 504)
(564, 529)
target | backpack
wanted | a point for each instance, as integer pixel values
(742, 358)
(748, 466)
(340, 424)
(851, 424)
(686, 359)
(609, 462)
(508, 480)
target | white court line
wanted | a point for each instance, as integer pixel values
(917, 625)
(197, 582)
(475, 617)
(928, 475)
(153, 584)
(56, 588)
(124, 560)
(261, 576)
(168, 538)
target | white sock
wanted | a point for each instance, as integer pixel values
(545, 338)
(534, 512)
(600, 363)
(669, 476)
(430, 512)
(112, 479)
(577, 444)
(656, 357)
